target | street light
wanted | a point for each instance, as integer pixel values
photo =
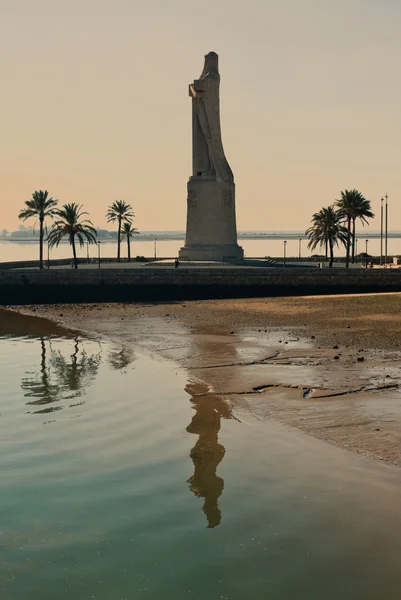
(155, 249)
(285, 251)
(366, 252)
(299, 249)
(381, 232)
(385, 244)
(98, 253)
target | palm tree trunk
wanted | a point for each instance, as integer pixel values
(40, 243)
(119, 240)
(331, 253)
(326, 242)
(348, 242)
(74, 252)
(353, 239)
(129, 248)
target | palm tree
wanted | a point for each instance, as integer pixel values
(345, 206)
(68, 223)
(363, 212)
(128, 232)
(326, 230)
(351, 206)
(119, 212)
(40, 206)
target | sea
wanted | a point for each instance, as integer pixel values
(165, 244)
(117, 483)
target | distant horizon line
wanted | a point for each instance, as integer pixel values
(177, 234)
(240, 231)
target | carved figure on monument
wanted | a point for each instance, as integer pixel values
(208, 153)
(211, 225)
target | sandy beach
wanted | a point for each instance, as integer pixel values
(328, 366)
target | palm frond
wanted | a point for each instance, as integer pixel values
(353, 205)
(41, 205)
(55, 237)
(326, 228)
(68, 222)
(119, 211)
(128, 231)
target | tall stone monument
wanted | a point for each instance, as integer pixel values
(211, 226)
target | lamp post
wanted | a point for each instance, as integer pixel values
(299, 249)
(155, 248)
(366, 252)
(285, 252)
(98, 253)
(381, 232)
(386, 228)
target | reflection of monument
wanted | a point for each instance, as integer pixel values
(207, 453)
(211, 227)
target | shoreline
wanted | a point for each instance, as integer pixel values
(329, 366)
(354, 320)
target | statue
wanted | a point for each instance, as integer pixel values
(211, 225)
(208, 154)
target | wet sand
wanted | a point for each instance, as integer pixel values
(328, 366)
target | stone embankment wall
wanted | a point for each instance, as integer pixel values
(57, 262)
(155, 284)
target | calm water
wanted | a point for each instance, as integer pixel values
(117, 484)
(170, 248)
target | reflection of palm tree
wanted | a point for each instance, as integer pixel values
(59, 377)
(120, 359)
(78, 373)
(207, 453)
(41, 388)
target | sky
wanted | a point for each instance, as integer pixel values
(95, 107)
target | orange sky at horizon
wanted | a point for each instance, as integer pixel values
(96, 107)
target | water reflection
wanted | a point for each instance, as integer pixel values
(207, 453)
(39, 385)
(78, 371)
(120, 358)
(60, 378)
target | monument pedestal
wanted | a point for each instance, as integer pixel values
(211, 225)
(216, 253)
